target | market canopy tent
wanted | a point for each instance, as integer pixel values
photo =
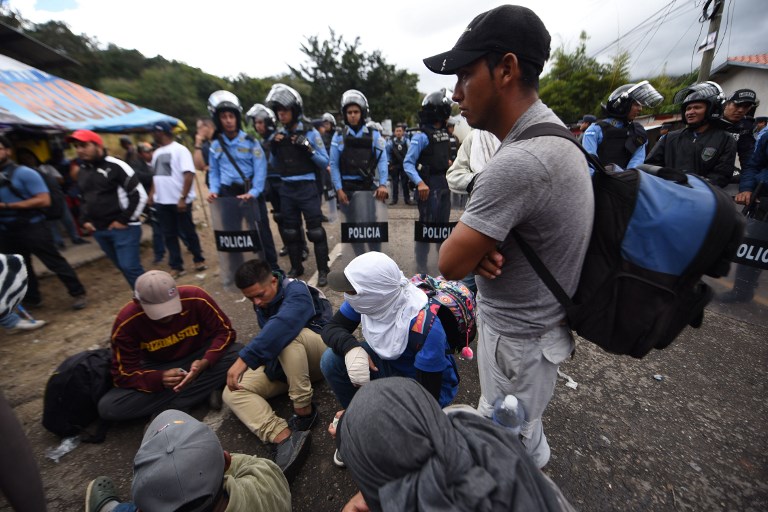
(30, 97)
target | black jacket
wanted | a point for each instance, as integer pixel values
(110, 192)
(710, 154)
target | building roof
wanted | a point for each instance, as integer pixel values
(759, 61)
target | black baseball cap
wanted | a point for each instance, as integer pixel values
(505, 29)
(744, 96)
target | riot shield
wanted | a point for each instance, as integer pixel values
(236, 234)
(364, 226)
(437, 216)
(743, 294)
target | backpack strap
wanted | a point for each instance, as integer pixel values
(553, 130)
(423, 324)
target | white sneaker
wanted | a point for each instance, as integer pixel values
(337, 459)
(27, 325)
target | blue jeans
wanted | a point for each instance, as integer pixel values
(335, 372)
(9, 320)
(175, 225)
(122, 247)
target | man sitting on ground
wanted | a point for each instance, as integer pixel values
(283, 358)
(171, 349)
(180, 465)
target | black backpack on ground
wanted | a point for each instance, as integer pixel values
(653, 238)
(73, 392)
(55, 210)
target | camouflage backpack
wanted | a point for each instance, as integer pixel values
(453, 303)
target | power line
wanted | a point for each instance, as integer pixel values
(652, 19)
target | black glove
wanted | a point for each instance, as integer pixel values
(302, 141)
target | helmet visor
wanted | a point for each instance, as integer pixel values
(645, 94)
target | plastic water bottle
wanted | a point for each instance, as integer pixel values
(509, 413)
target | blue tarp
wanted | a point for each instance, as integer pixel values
(32, 97)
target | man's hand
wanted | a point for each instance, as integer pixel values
(279, 137)
(235, 373)
(89, 227)
(197, 366)
(341, 197)
(246, 197)
(381, 193)
(423, 190)
(117, 225)
(359, 366)
(181, 206)
(332, 426)
(300, 140)
(212, 197)
(743, 197)
(490, 266)
(173, 377)
(356, 504)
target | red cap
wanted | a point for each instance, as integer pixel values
(86, 136)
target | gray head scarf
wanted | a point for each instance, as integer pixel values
(405, 454)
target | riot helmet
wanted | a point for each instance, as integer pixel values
(283, 96)
(328, 117)
(709, 93)
(224, 101)
(620, 100)
(436, 107)
(259, 111)
(354, 97)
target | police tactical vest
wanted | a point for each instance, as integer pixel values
(292, 160)
(357, 159)
(399, 150)
(619, 144)
(434, 158)
(271, 171)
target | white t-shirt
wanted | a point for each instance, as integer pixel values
(170, 162)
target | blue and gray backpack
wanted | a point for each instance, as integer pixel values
(655, 235)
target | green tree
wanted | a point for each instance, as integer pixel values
(577, 83)
(335, 65)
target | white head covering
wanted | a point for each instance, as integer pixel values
(387, 301)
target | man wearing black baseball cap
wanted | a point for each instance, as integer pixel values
(540, 187)
(737, 120)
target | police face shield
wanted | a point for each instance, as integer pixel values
(285, 96)
(220, 99)
(645, 94)
(699, 92)
(237, 235)
(743, 293)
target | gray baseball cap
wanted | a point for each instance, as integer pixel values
(180, 461)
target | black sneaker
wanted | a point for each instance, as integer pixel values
(283, 252)
(291, 453)
(215, 400)
(297, 422)
(296, 272)
(305, 253)
(322, 278)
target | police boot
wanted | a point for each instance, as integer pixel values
(294, 254)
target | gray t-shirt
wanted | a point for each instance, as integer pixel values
(542, 188)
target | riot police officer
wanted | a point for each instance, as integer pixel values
(426, 162)
(702, 147)
(264, 122)
(618, 139)
(397, 147)
(237, 164)
(358, 162)
(298, 153)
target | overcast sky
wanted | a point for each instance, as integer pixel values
(261, 38)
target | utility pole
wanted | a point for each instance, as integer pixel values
(714, 27)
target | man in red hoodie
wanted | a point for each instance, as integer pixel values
(171, 349)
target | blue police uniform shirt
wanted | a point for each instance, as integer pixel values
(418, 143)
(248, 154)
(28, 183)
(379, 151)
(593, 137)
(319, 158)
(756, 170)
(432, 357)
